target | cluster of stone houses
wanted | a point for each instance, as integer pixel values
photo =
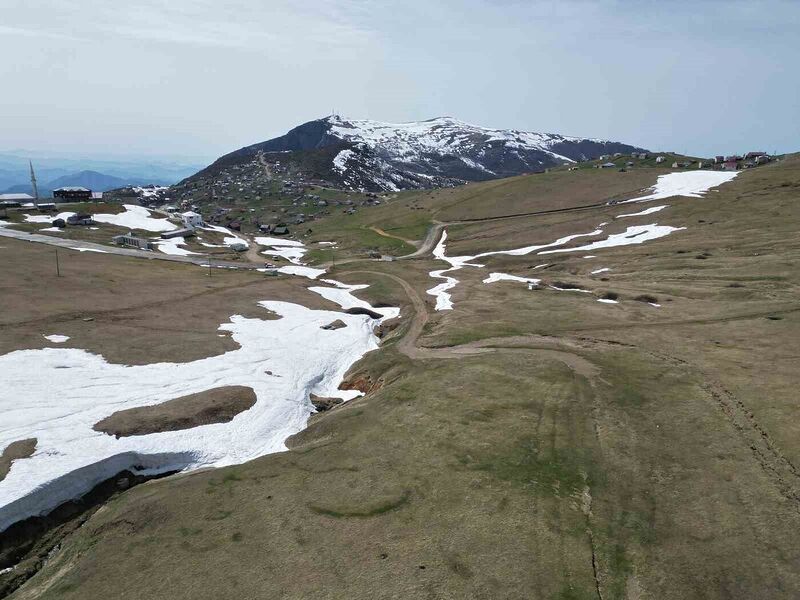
(735, 162)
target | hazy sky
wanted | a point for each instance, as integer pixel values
(203, 77)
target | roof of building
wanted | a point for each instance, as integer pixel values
(72, 188)
(190, 213)
(16, 197)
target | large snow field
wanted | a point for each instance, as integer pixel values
(56, 395)
(693, 184)
(135, 217)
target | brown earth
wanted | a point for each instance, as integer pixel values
(217, 405)
(15, 451)
(525, 444)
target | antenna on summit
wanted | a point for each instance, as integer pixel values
(34, 186)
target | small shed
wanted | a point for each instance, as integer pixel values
(167, 235)
(80, 219)
(608, 165)
(131, 241)
(730, 165)
(660, 159)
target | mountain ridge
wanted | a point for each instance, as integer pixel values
(362, 154)
(94, 180)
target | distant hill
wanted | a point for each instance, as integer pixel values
(15, 172)
(375, 156)
(98, 182)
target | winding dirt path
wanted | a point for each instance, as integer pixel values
(383, 233)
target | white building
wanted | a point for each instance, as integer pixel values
(660, 159)
(192, 220)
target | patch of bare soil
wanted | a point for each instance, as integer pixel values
(218, 405)
(15, 451)
(359, 310)
(337, 324)
(322, 403)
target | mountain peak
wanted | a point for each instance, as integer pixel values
(442, 151)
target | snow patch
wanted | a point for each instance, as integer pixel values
(47, 218)
(646, 211)
(632, 235)
(136, 217)
(693, 184)
(493, 277)
(172, 247)
(90, 250)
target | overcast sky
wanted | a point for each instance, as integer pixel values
(203, 77)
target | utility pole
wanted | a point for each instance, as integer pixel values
(58, 267)
(34, 186)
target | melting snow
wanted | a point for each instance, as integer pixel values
(309, 272)
(56, 338)
(441, 291)
(47, 218)
(637, 234)
(271, 241)
(90, 250)
(493, 277)
(646, 211)
(607, 301)
(685, 183)
(603, 270)
(136, 217)
(172, 247)
(231, 238)
(283, 360)
(341, 159)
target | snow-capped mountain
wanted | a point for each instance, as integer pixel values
(372, 155)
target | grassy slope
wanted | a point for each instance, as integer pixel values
(637, 451)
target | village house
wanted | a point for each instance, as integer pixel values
(730, 165)
(191, 219)
(72, 194)
(660, 159)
